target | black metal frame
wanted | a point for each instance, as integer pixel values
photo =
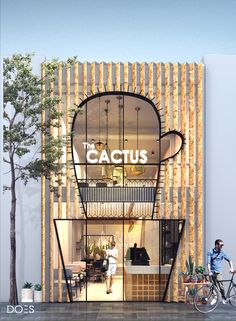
(122, 221)
(159, 135)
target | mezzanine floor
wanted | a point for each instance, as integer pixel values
(124, 311)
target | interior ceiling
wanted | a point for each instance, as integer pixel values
(148, 124)
(149, 128)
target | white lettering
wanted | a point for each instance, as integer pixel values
(19, 311)
(143, 156)
(10, 309)
(31, 309)
(114, 159)
(104, 157)
(126, 153)
(88, 156)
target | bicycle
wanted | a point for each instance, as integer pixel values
(208, 296)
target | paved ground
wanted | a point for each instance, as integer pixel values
(118, 311)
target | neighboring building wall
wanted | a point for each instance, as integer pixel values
(28, 226)
(178, 88)
(220, 152)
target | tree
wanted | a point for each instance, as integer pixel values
(22, 108)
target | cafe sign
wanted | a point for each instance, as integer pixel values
(116, 156)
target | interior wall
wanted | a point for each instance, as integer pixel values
(150, 240)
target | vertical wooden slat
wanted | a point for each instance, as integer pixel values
(167, 163)
(109, 76)
(60, 178)
(191, 162)
(43, 193)
(68, 156)
(199, 259)
(102, 74)
(119, 75)
(167, 169)
(93, 78)
(171, 160)
(136, 77)
(68, 151)
(143, 78)
(51, 214)
(175, 176)
(127, 76)
(159, 100)
(76, 102)
(183, 166)
(152, 78)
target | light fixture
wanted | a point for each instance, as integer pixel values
(131, 226)
(119, 172)
(107, 169)
(137, 169)
(99, 145)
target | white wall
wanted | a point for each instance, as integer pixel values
(28, 227)
(220, 149)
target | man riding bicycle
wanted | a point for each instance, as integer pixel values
(214, 265)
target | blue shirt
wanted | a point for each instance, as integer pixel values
(215, 258)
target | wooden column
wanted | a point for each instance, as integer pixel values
(175, 175)
(59, 214)
(76, 102)
(43, 192)
(191, 163)
(51, 213)
(199, 259)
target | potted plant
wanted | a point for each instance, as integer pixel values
(200, 273)
(188, 274)
(27, 292)
(37, 293)
(186, 277)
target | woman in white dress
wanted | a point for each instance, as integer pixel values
(112, 255)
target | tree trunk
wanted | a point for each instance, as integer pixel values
(13, 299)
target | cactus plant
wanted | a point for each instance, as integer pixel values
(27, 285)
(189, 265)
(38, 287)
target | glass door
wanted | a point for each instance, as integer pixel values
(104, 238)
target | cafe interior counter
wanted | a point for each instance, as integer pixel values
(145, 283)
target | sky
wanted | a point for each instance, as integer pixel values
(122, 30)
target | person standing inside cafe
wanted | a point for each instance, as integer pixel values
(112, 255)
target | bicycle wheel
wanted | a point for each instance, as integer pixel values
(232, 296)
(206, 298)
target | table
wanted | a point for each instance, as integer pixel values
(195, 284)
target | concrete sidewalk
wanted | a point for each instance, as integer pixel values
(118, 311)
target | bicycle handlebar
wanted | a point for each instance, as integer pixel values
(213, 276)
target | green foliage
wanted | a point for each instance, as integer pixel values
(22, 109)
(23, 105)
(200, 270)
(38, 287)
(93, 249)
(27, 285)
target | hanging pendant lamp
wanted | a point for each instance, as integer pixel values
(119, 172)
(107, 169)
(137, 169)
(99, 145)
